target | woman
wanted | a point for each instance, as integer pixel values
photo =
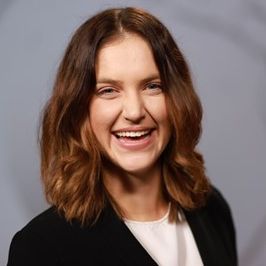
(118, 157)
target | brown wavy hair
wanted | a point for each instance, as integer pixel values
(71, 162)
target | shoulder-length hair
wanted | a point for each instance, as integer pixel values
(71, 162)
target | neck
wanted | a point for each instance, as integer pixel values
(140, 196)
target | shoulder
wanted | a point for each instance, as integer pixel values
(217, 211)
(48, 225)
(34, 243)
(47, 222)
(49, 239)
(217, 205)
(214, 222)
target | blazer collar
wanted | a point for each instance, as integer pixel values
(131, 252)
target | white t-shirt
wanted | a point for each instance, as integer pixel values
(169, 244)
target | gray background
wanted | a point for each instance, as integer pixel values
(225, 43)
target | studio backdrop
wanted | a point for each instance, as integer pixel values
(225, 45)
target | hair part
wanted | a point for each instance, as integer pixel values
(71, 163)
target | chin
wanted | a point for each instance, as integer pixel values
(137, 167)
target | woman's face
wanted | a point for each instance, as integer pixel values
(128, 111)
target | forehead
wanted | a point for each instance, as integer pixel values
(129, 53)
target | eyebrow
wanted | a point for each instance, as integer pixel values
(113, 81)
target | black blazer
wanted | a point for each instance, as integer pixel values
(48, 240)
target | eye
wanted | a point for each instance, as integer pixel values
(107, 92)
(153, 87)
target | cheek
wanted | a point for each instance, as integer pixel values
(158, 110)
(160, 115)
(102, 117)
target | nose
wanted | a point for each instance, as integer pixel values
(133, 107)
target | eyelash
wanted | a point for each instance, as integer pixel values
(110, 91)
(106, 90)
(157, 85)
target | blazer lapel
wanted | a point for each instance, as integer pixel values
(122, 242)
(202, 237)
(208, 239)
(120, 238)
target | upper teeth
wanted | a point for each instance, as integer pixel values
(132, 133)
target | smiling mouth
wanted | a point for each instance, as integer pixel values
(133, 135)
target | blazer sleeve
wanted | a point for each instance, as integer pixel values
(30, 249)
